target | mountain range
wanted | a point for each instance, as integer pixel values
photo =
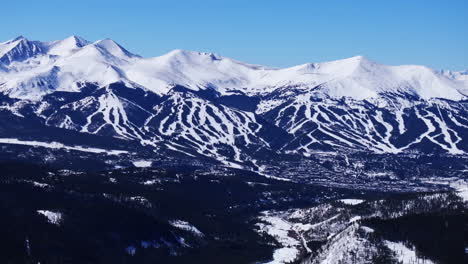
(79, 96)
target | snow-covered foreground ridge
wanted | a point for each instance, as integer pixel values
(30, 69)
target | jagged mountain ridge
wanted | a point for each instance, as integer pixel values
(202, 104)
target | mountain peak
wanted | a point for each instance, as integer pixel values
(78, 40)
(15, 40)
(358, 60)
(66, 46)
(19, 49)
(113, 48)
(105, 40)
(20, 37)
(342, 67)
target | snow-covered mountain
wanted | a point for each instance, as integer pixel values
(204, 105)
(72, 60)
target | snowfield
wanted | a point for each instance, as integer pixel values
(404, 254)
(56, 145)
(53, 217)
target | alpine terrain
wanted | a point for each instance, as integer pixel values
(191, 157)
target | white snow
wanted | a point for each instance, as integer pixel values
(186, 226)
(404, 254)
(150, 182)
(346, 247)
(284, 255)
(142, 163)
(367, 229)
(110, 46)
(300, 111)
(57, 145)
(351, 201)
(53, 217)
(39, 184)
(280, 229)
(66, 46)
(221, 126)
(461, 186)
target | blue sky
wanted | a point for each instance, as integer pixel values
(274, 33)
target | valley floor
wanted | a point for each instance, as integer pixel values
(189, 215)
